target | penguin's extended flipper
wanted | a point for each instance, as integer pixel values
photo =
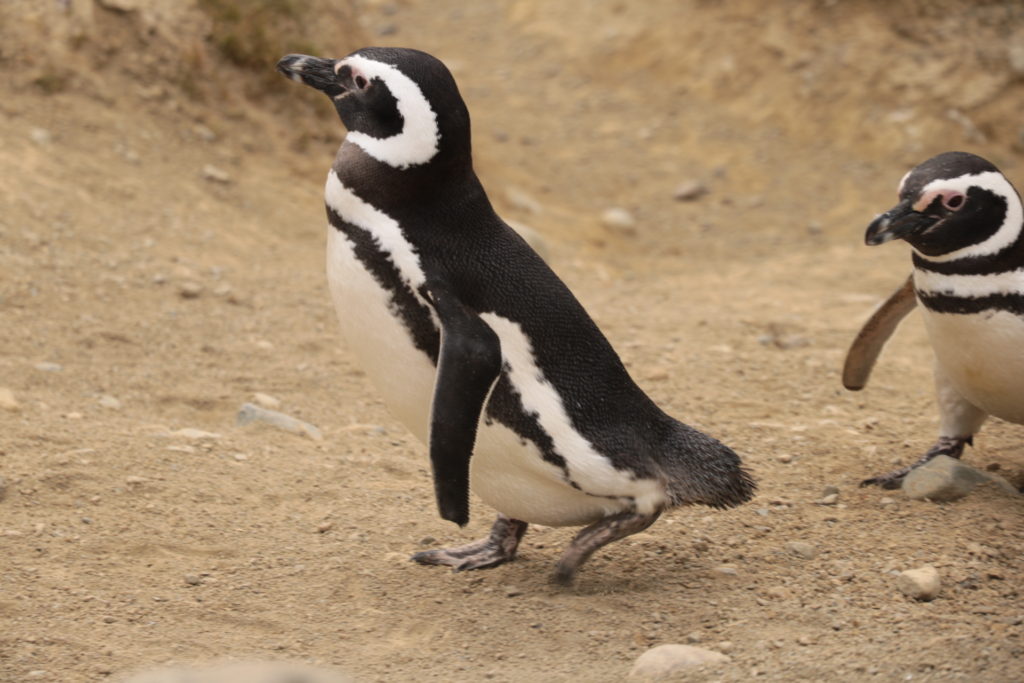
(467, 367)
(863, 353)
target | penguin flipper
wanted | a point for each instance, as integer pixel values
(863, 353)
(468, 365)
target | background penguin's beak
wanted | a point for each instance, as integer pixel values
(898, 222)
(312, 71)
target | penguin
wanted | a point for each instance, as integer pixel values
(473, 341)
(963, 220)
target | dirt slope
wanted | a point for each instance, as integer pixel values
(161, 262)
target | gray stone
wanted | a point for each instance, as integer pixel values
(216, 175)
(618, 218)
(802, 549)
(690, 190)
(250, 413)
(920, 584)
(665, 660)
(45, 366)
(943, 479)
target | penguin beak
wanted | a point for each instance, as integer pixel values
(899, 222)
(314, 72)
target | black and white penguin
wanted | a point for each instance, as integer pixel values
(474, 343)
(963, 220)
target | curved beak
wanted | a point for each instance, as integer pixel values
(312, 71)
(899, 222)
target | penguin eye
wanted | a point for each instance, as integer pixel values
(953, 201)
(361, 82)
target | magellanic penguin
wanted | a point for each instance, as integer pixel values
(963, 220)
(474, 343)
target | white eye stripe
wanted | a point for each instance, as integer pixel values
(418, 141)
(997, 184)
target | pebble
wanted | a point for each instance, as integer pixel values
(618, 218)
(428, 540)
(190, 290)
(920, 584)
(3, 488)
(216, 175)
(204, 133)
(192, 579)
(266, 401)
(7, 400)
(945, 479)
(134, 480)
(512, 591)
(666, 660)
(802, 549)
(324, 527)
(194, 434)
(109, 402)
(1016, 58)
(830, 499)
(40, 136)
(725, 570)
(48, 367)
(689, 190)
(784, 458)
(250, 413)
(517, 198)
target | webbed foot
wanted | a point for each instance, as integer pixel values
(498, 548)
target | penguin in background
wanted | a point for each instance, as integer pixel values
(473, 341)
(965, 224)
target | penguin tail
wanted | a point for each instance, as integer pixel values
(706, 472)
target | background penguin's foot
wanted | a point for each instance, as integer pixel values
(598, 534)
(498, 548)
(953, 446)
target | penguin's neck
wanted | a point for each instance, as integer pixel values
(443, 175)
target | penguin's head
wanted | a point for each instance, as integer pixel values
(400, 106)
(953, 205)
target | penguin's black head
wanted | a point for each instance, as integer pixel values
(949, 204)
(400, 106)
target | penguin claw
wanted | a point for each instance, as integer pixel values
(953, 446)
(498, 548)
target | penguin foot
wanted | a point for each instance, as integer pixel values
(953, 446)
(595, 536)
(498, 548)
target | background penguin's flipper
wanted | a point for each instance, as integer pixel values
(863, 353)
(467, 367)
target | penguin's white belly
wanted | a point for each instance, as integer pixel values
(403, 374)
(983, 356)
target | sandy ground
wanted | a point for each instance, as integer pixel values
(161, 263)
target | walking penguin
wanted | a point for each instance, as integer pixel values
(474, 343)
(963, 220)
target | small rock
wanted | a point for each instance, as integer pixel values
(204, 133)
(73, 415)
(725, 646)
(324, 527)
(3, 488)
(886, 500)
(784, 458)
(216, 175)
(240, 457)
(1016, 58)
(266, 401)
(110, 402)
(517, 198)
(512, 591)
(665, 660)
(689, 190)
(830, 499)
(428, 540)
(40, 136)
(695, 637)
(7, 400)
(193, 579)
(725, 570)
(920, 584)
(830, 490)
(190, 290)
(134, 480)
(195, 434)
(945, 479)
(250, 413)
(48, 367)
(802, 549)
(618, 219)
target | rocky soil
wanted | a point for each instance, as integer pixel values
(701, 175)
